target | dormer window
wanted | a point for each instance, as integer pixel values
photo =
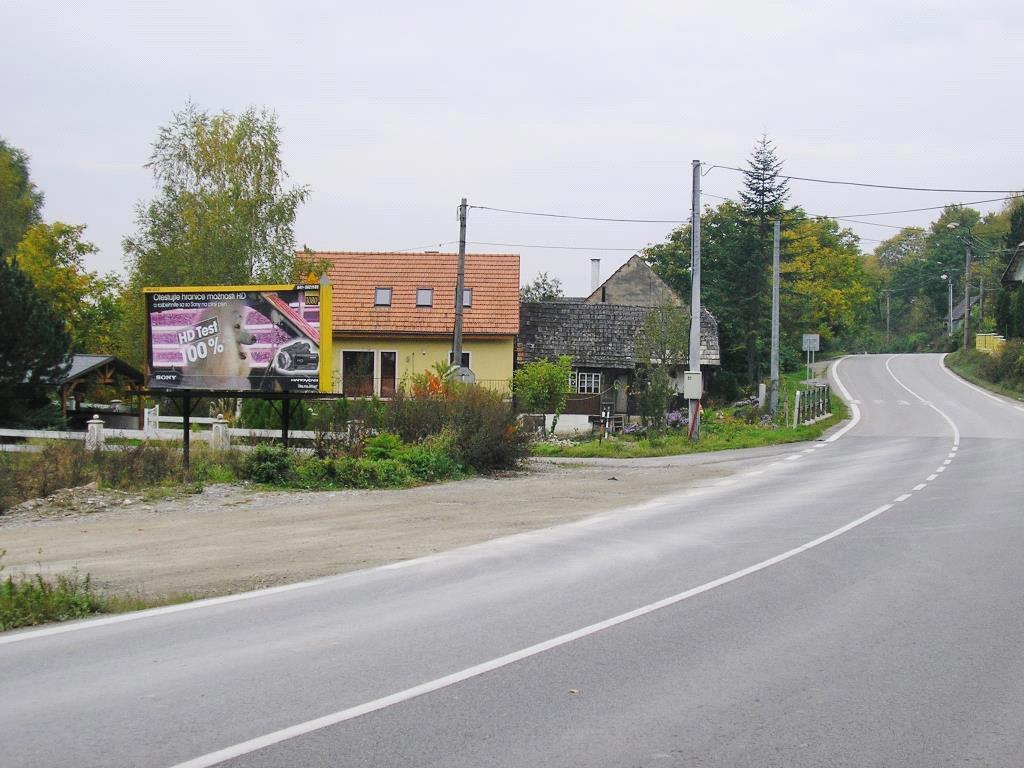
(424, 297)
(382, 297)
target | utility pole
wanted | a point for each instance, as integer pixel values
(949, 317)
(774, 373)
(981, 302)
(694, 383)
(460, 281)
(967, 291)
(888, 297)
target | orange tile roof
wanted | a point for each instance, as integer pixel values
(494, 278)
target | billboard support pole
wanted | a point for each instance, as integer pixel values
(286, 417)
(186, 411)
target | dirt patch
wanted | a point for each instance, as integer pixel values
(233, 538)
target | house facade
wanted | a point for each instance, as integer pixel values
(393, 316)
(599, 333)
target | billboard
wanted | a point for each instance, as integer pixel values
(261, 338)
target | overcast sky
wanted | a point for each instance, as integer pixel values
(393, 111)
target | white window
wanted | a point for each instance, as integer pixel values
(424, 297)
(382, 297)
(467, 297)
(585, 383)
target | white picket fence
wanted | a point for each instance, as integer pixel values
(97, 433)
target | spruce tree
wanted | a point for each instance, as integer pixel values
(763, 201)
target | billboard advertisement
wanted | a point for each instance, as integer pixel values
(231, 338)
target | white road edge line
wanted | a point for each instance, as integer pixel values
(261, 742)
(845, 394)
(931, 477)
(903, 497)
(989, 395)
(920, 486)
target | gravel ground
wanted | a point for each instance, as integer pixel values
(234, 538)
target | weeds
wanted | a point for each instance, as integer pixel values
(27, 601)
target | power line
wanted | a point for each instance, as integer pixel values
(878, 186)
(580, 218)
(558, 247)
(936, 207)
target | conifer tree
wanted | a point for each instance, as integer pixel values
(34, 347)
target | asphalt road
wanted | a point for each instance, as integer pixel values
(858, 602)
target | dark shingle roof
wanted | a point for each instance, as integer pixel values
(594, 335)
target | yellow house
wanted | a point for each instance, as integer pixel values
(393, 316)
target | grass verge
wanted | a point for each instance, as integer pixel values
(720, 431)
(27, 601)
(974, 365)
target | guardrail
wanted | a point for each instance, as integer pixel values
(812, 404)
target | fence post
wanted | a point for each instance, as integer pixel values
(94, 438)
(220, 439)
(151, 420)
(796, 410)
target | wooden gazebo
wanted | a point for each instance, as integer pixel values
(103, 370)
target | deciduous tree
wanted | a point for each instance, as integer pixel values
(223, 214)
(20, 202)
(542, 288)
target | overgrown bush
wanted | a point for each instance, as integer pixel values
(370, 473)
(432, 460)
(416, 417)
(139, 466)
(270, 464)
(1005, 366)
(329, 421)
(382, 446)
(485, 432)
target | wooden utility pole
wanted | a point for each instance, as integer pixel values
(967, 291)
(693, 363)
(460, 281)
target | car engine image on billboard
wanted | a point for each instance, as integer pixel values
(239, 338)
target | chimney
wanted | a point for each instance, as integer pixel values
(595, 274)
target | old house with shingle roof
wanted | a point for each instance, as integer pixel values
(393, 316)
(599, 334)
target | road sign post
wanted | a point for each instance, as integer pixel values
(811, 344)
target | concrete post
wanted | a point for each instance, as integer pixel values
(151, 421)
(94, 438)
(220, 439)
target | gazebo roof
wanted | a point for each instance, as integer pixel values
(82, 365)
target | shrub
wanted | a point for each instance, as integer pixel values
(63, 464)
(369, 473)
(139, 466)
(382, 446)
(486, 434)
(271, 464)
(329, 423)
(415, 417)
(430, 463)
(542, 386)
(316, 472)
